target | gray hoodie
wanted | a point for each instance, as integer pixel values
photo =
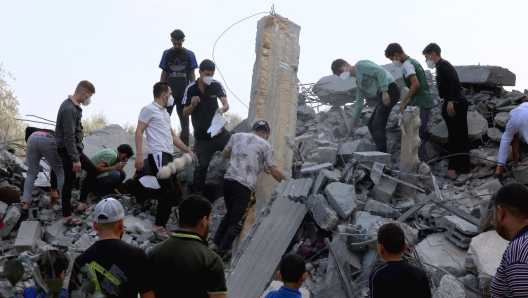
(69, 130)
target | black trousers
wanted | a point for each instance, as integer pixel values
(70, 175)
(184, 121)
(205, 149)
(457, 128)
(378, 120)
(238, 200)
(167, 196)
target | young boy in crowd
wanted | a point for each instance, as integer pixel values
(293, 274)
(396, 278)
(49, 271)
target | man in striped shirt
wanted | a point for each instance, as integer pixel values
(511, 223)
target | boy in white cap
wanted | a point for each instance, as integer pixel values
(120, 269)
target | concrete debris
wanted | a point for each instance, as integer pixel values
(494, 134)
(477, 126)
(411, 234)
(373, 156)
(381, 209)
(305, 112)
(332, 90)
(323, 179)
(501, 119)
(342, 197)
(10, 220)
(450, 288)
(485, 75)
(323, 214)
(326, 155)
(295, 189)
(28, 233)
(459, 231)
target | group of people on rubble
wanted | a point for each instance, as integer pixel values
(121, 270)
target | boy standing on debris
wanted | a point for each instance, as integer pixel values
(370, 79)
(200, 101)
(293, 274)
(396, 278)
(418, 95)
(156, 122)
(249, 154)
(178, 65)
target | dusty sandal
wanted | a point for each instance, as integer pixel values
(462, 179)
(161, 234)
(72, 222)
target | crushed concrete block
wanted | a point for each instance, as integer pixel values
(481, 98)
(297, 189)
(459, 231)
(275, 285)
(436, 250)
(305, 112)
(334, 91)
(381, 209)
(492, 185)
(494, 134)
(326, 154)
(485, 75)
(323, 214)
(384, 190)
(507, 108)
(368, 262)
(484, 257)
(148, 236)
(10, 220)
(323, 143)
(450, 288)
(373, 156)
(411, 234)
(472, 281)
(317, 168)
(65, 242)
(130, 223)
(501, 119)
(501, 102)
(362, 131)
(396, 73)
(477, 126)
(3, 209)
(521, 174)
(323, 178)
(28, 233)
(55, 231)
(144, 226)
(363, 220)
(343, 254)
(342, 197)
(348, 149)
(241, 127)
(82, 243)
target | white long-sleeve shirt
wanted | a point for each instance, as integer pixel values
(518, 123)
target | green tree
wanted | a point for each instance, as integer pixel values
(9, 112)
(98, 121)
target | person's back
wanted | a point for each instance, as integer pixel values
(396, 278)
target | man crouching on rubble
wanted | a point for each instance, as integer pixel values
(249, 153)
(370, 79)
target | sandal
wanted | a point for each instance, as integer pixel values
(72, 222)
(462, 179)
(73, 206)
(161, 234)
(447, 177)
(24, 211)
(81, 210)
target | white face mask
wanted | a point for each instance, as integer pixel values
(397, 63)
(345, 75)
(170, 101)
(207, 80)
(87, 101)
(431, 64)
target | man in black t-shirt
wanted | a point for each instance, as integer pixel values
(200, 101)
(178, 65)
(120, 269)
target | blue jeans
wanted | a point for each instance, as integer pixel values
(38, 146)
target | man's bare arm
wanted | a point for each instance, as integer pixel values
(149, 294)
(226, 153)
(176, 141)
(140, 129)
(192, 76)
(217, 295)
(277, 174)
(163, 75)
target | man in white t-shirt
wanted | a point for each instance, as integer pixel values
(156, 122)
(517, 125)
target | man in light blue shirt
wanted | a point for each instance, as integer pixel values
(370, 79)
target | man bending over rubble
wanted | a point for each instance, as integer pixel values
(156, 122)
(249, 154)
(370, 79)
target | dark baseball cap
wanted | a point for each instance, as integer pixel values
(261, 123)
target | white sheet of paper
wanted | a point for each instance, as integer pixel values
(217, 125)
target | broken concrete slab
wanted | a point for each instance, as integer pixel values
(459, 231)
(241, 127)
(484, 257)
(82, 243)
(334, 91)
(373, 156)
(450, 288)
(342, 197)
(363, 220)
(323, 214)
(323, 179)
(521, 174)
(326, 155)
(10, 220)
(305, 112)
(348, 149)
(477, 126)
(485, 75)
(28, 233)
(55, 231)
(492, 185)
(495, 134)
(501, 119)
(384, 190)
(317, 168)
(296, 189)
(381, 209)
(130, 223)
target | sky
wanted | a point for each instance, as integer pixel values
(49, 46)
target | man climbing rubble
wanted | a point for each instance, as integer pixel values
(370, 79)
(249, 154)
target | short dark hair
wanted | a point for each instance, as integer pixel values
(192, 210)
(392, 237)
(207, 65)
(393, 48)
(513, 197)
(159, 88)
(85, 86)
(432, 48)
(337, 64)
(52, 263)
(126, 149)
(292, 267)
(177, 34)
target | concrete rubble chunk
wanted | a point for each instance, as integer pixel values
(305, 112)
(10, 220)
(55, 231)
(450, 288)
(384, 190)
(459, 231)
(326, 154)
(494, 134)
(82, 243)
(362, 131)
(65, 242)
(343, 254)
(521, 174)
(144, 226)
(317, 168)
(130, 223)
(3, 209)
(501, 119)
(348, 149)
(342, 197)
(323, 178)
(484, 257)
(492, 185)
(381, 209)
(364, 220)
(485, 75)
(323, 214)
(411, 234)
(477, 126)
(334, 91)
(28, 233)
(373, 156)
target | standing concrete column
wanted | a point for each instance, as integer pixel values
(409, 148)
(274, 96)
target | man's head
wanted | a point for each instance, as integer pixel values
(339, 66)
(395, 53)
(207, 70)
(53, 264)
(162, 93)
(510, 209)
(261, 128)
(195, 215)
(292, 271)
(109, 218)
(177, 39)
(432, 52)
(125, 151)
(391, 241)
(83, 92)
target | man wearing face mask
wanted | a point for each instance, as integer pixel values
(454, 112)
(178, 65)
(156, 122)
(249, 154)
(68, 137)
(419, 93)
(370, 79)
(200, 101)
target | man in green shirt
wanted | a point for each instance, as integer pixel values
(183, 265)
(418, 95)
(109, 163)
(370, 79)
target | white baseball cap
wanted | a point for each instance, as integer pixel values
(108, 210)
